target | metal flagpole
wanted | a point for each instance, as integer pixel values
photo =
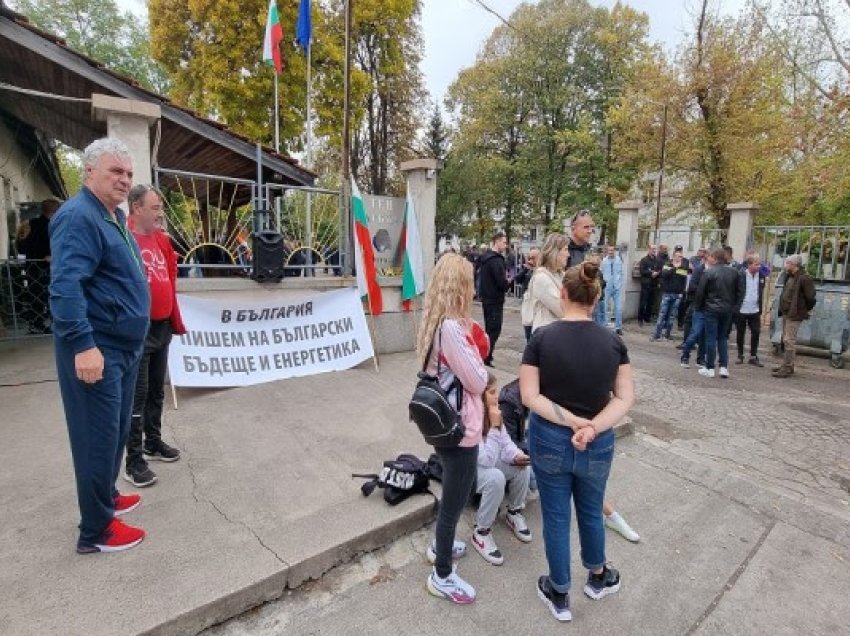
(276, 116)
(308, 219)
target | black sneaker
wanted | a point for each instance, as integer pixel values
(140, 475)
(754, 360)
(601, 585)
(558, 603)
(161, 452)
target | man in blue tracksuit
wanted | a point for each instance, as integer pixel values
(100, 304)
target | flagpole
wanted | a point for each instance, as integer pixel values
(276, 117)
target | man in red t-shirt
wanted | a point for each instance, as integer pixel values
(160, 263)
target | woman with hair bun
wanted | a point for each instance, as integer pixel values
(577, 382)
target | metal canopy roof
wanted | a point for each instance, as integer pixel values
(34, 60)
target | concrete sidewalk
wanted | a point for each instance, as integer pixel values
(712, 559)
(262, 500)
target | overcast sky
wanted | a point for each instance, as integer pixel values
(454, 30)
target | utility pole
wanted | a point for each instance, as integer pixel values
(661, 172)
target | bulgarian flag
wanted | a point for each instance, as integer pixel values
(271, 43)
(367, 275)
(413, 276)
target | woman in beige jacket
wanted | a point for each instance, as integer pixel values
(545, 285)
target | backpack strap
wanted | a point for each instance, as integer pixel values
(369, 487)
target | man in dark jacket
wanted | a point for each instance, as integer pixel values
(720, 293)
(492, 286)
(36, 247)
(581, 233)
(650, 269)
(674, 277)
(100, 303)
(795, 305)
(749, 315)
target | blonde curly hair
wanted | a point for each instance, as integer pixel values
(449, 295)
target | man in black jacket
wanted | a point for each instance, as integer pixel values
(720, 293)
(492, 285)
(650, 268)
(36, 246)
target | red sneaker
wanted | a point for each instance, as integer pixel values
(118, 536)
(126, 503)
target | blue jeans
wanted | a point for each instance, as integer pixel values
(614, 296)
(717, 338)
(599, 316)
(563, 474)
(696, 333)
(666, 314)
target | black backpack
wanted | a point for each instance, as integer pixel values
(400, 478)
(431, 408)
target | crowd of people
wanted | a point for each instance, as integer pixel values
(551, 430)
(709, 294)
(574, 385)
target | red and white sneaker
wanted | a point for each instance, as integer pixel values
(117, 537)
(126, 503)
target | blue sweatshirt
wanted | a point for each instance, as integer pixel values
(99, 295)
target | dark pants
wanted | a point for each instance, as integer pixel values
(647, 302)
(37, 313)
(460, 465)
(700, 341)
(492, 324)
(717, 338)
(149, 393)
(753, 321)
(98, 418)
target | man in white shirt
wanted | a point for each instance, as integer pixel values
(750, 313)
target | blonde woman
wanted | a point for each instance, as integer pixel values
(447, 325)
(545, 286)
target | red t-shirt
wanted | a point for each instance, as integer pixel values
(156, 270)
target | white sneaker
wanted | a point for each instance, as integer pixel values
(452, 588)
(616, 523)
(458, 551)
(516, 522)
(486, 545)
(707, 373)
(724, 372)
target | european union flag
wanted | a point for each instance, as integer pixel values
(304, 28)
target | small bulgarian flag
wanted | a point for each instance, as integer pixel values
(271, 43)
(367, 274)
(413, 275)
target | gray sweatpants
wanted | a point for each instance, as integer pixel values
(491, 486)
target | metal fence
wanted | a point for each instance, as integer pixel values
(212, 219)
(24, 308)
(824, 248)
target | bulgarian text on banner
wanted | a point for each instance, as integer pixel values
(238, 343)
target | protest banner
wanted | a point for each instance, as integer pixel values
(231, 342)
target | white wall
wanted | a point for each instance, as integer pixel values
(19, 182)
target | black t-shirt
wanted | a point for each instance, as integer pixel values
(578, 364)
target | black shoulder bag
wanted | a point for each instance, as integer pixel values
(431, 409)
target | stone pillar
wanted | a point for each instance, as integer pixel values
(741, 216)
(421, 177)
(627, 234)
(130, 121)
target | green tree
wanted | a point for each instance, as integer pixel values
(387, 48)
(535, 108)
(436, 140)
(101, 31)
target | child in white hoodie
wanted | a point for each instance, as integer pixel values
(500, 462)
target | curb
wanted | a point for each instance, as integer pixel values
(419, 511)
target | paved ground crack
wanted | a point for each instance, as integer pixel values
(732, 579)
(214, 506)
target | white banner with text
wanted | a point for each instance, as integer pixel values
(239, 343)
